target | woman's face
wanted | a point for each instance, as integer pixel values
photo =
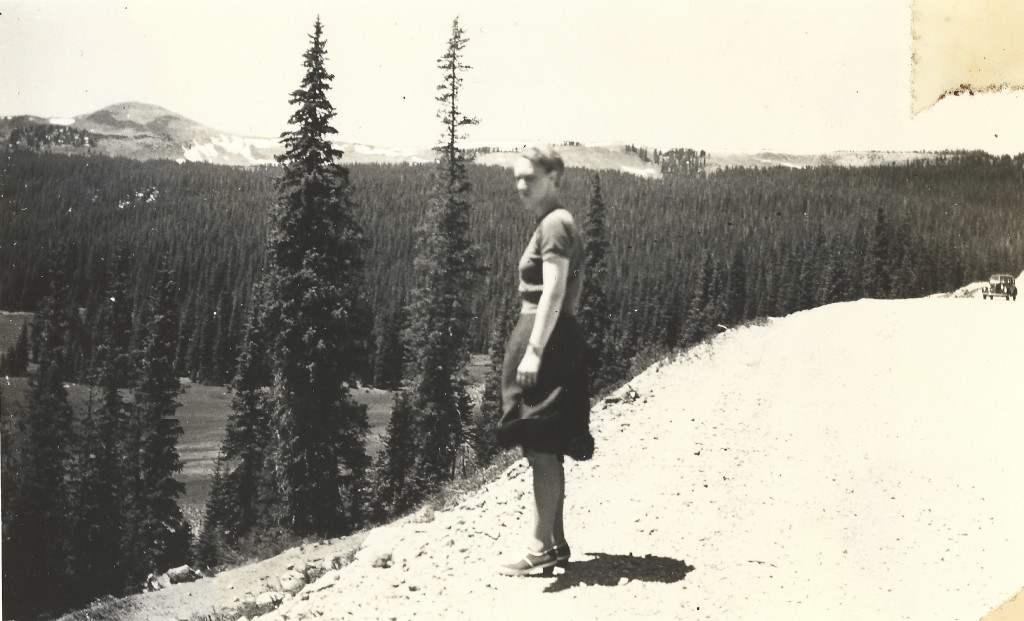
(537, 189)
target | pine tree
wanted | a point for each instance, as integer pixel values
(36, 528)
(881, 260)
(736, 289)
(247, 447)
(949, 265)
(95, 521)
(395, 481)
(223, 342)
(595, 311)
(788, 295)
(15, 360)
(674, 316)
(716, 308)
(440, 312)
(698, 319)
(654, 311)
(316, 296)
(197, 345)
(162, 537)
(208, 547)
(618, 352)
(905, 281)
(389, 351)
(810, 278)
(187, 336)
(99, 490)
(9, 510)
(206, 344)
(857, 266)
(113, 350)
(19, 364)
(835, 286)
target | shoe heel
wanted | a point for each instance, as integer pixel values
(563, 553)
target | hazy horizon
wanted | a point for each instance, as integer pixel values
(787, 76)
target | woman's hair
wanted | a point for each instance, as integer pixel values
(547, 158)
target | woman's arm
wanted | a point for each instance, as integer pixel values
(556, 274)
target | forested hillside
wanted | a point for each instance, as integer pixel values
(140, 273)
(686, 252)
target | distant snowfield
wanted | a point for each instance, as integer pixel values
(641, 172)
(230, 149)
(717, 159)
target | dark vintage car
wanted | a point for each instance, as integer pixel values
(1000, 286)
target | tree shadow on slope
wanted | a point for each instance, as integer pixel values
(610, 570)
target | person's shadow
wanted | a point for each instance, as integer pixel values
(610, 570)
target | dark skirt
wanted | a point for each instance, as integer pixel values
(554, 415)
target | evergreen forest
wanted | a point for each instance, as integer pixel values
(682, 257)
(795, 238)
(292, 284)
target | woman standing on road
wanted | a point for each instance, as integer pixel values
(545, 400)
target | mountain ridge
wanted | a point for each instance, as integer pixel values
(148, 118)
(146, 131)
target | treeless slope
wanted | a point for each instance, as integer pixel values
(857, 461)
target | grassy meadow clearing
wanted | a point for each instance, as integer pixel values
(203, 416)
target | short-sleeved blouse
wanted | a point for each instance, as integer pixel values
(556, 235)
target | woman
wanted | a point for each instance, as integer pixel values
(545, 400)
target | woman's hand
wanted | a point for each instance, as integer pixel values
(526, 374)
(555, 272)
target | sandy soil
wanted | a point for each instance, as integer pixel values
(857, 461)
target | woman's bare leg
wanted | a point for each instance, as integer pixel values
(559, 528)
(549, 495)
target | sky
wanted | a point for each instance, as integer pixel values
(780, 75)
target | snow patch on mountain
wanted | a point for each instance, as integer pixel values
(244, 147)
(200, 152)
(646, 173)
(231, 149)
(402, 152)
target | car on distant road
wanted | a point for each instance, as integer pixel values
(1000, 286)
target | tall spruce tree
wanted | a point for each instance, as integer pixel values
(883, 258)
(159, 535)
(736, 289)
(394, 488)
(316, 296)
(223, 354)
(95, 519)
(834, 285)
(36, 546)
(209, 545)
(244, 488)
(440, 313)
(595, 310)
(99, 482)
